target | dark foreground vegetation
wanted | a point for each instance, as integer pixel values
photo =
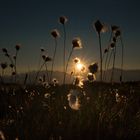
(104, 111)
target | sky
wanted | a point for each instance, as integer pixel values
(29, 23)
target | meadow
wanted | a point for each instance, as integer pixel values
(85, 108)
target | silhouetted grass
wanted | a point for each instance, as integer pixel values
(27, 114)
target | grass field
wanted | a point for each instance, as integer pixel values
(57, 112)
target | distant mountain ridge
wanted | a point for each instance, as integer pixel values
(128, 75)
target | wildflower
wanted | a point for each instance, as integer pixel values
(118, 33)
(114, 39)
(40, 79)
(106, 50)
(71, 73)
(81, 83)
(63, 20)
(104, 28)
(112, 45)
(47, 95)
(65, 107)
(118, 98)
(18, 46)
(21, 108)
(16, 138)
(45, 84)
(114, 28)
(76, 81)
(11, 65)
(42, 50)
(46, 58)
(76, 42)
(93, 68)
(98, 26)
(10, 106)
(7, 55)
(3, 65)
(88, 98)
(4, 50)
(83, 68)
(76, 60)
(14, 57)
(55, 33)
(73, 99)
(54, 81)
(2, 137)
(91, 77)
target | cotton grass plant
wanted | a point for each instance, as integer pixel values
(100, 28)
(76, 44)
(63, 20)
(55, 34)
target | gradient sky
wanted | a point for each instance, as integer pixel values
(29, 22)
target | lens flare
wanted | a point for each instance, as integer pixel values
(79, 66)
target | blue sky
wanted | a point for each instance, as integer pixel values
(30, 23)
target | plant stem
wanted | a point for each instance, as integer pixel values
(121, 76)
(109, 60)
(112, 74)
(53, 59)
(16, 66)
(39, 71)
(100, 57)
(64, 51)
(68, 63)
(47, 72)
(104, 75)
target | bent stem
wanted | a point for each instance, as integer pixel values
(39, 71)
(2, 76)
(68, 63)
(16, 66)
(112, 74)
(64, 50)
(53, 59)
(47, 72)
(121, 76)
(106, 59)
(109, 60)
(100, 57)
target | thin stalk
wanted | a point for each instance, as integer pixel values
(11, 79)
(53, 59)
(104, 74)
(106, 59)
(29, 73)
(16, 66)
(47, 72)
(39, 61)
(39, 70)
(112, 74)
(121, 76)
(11, 61)
(111, 53)
(2, 76)
(68, 63)
(64, 51)
(100, 57)
(1, 79)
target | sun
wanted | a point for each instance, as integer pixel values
(79, 66)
